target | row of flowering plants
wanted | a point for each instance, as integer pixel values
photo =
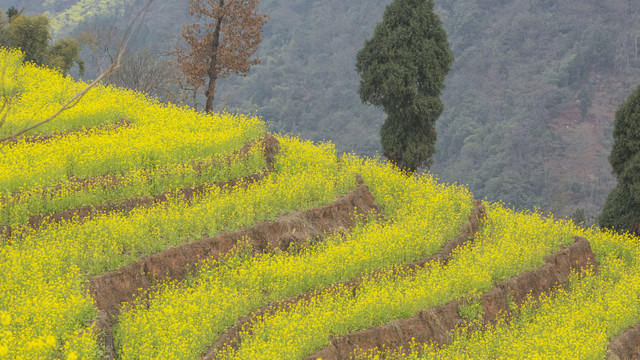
(90, 156)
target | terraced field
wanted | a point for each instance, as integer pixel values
(134, 230)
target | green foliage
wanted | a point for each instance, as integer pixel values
(403, 67)
(585, 96)
(12, 12)
(31, 35)
(470, 308)
(579, 217)
(619, 211)
(63, 54)
(626, 134)
(622, 209)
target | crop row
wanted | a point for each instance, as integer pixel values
(183, 320)
(577, 323)
(42, 276)
(498, 252)
(81, 162)
(33, 207)
(26, 166)
(36, 93)
(573, 323)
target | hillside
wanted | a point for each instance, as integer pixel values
(131, 229)
(529, 102)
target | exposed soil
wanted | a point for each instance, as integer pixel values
(112, 289)
(626, 345)
(434, 325)
(271, 149)
(232, 336)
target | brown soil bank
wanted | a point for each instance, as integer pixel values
(435, 324)
(111, 289)
(626, 345)
(271, 148)
(232, 336)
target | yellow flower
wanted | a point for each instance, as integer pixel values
(4, 350)
(72, 356)
(5, 319)
(50, 341)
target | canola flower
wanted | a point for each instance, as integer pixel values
(506, 246)
(97, 153)
(577, 323)
(38, 92)
(150, 156)
(182, 321)
(45, 311)
(16, 209)
(41, 277)
(10, 63)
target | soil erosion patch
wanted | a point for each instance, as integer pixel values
(435, 324)
(232, 337)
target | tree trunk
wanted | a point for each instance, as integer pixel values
(213, 64)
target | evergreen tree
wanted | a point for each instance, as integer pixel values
(402, 69)
(31, 35)
(63, 54)
(622, 208)
(12, 12)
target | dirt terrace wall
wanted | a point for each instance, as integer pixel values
(435, 324)
(626, 345)
(111, 289)
(271, 148)
(232, 337)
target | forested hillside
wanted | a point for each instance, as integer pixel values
(529, 101)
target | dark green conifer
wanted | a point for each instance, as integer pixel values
(402, 69)
(622, 208)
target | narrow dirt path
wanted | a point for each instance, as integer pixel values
(232, 336)
(112, 289)
(435, 324)
(271, 149)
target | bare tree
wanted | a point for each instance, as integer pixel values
(222, 41)
(103, 43)
(146, 72)
(124, 45)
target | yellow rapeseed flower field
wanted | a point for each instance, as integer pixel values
(47, 313)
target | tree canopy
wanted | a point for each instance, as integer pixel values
(403, 67)
(31, 35)
(222, 41)
(622, 208)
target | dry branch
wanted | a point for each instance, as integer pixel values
(125, 43)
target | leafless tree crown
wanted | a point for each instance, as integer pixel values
(221, 41)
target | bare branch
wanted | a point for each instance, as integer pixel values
(125, 43)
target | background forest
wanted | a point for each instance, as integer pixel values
(529, 101)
